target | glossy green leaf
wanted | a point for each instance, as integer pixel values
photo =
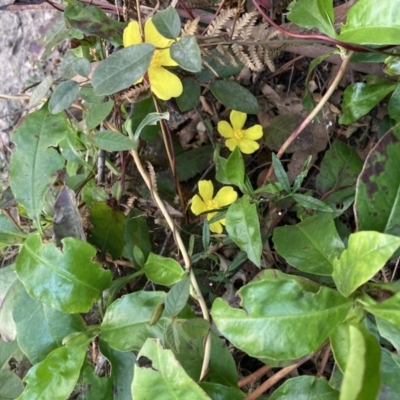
(55, 377)
(113, 141)
(339, 169)
(193, 162)
(98, 113)
(305, 388)
(195, 328)
(190, 95)
(186, 53)
(161, 370)
(390, 371)
(9, 233)
(122, 69)
(310, 203)
(92, 387)
(40, 91)
(281, 173)
(310, 246)
(220, 166)
(243, 227)
(359, 98)
(377, 205)
(313, 14)
(392, 66)
(366, 254)
(167, 23)
(389, 331)
(87, 94)
(11, 289)
(220, 392)
(126, 323)
(11, 385)
(163, 270)
(177, 297)
(41, 329)
(34, 165)
(63, 96)
(361, 377)
(234, 96)
(107, 231)
(121, 370)
(142, 109)
(371, 22)
(289, 316)
(66, 279)
(234, 168)
(91, 20)
(394, 105)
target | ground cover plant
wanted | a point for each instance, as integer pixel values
(186, 220)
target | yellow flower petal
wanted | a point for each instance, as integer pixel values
(225, 196)
(216, 227)
(231, 144)
(131, 34)
(238, 119)
(206, 190)
(225, 129)
(164, 58)
(151, 35)
(222, 221)
(164, 84)
(253, 133)
(198, 205)
(247, 146)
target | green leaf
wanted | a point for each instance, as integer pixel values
(98, 113)
(121, 372)
(67, 280)
(142, 109)
(193, 162)
(361, 377)
(220, 166)
(195, 328)
(223, 71)
(220, 392)
(394, 105)
(377, 203)
(313, 14)
(91, 20)
(126, 323)
(305, 387)
(34, 165)
(310, 203)
(243, 227)
(122, 69)
(107, 231)
(234, 169)
(55, 377)
(339, 169)
(9, 233)
(310, 246)
(113, 141)
(281, 173)
(167, 23)
(234, 96)
(359, 98)
(162, 270)
(388, 331)
(82, 66)
(177, 297)
(389, 375)
(186, 53)
(300, 313)
(11, 385)
(87, 94)
(63, 96)
(91, 387)
(366, 254)
(41, 329)
(369, 22)
(40, 91)
(8, 329)
(163, 369)
(190, 95)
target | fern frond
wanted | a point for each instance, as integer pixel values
(243, 24)
(219, 23)
(190, 27)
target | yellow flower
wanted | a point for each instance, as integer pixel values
(237, 136)
(206, 202)
(164, 84)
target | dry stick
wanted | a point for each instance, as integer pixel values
(276, 378)
(254, 376)
(185, 255)
(313, 114)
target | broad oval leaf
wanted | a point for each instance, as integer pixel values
(113, 141)
(98, 113)
(10, 287)
(177, 298)
(40, 91)
(9, 234)
(186, 53)
(67, 280)
(284, 317)
(243, 227)
(122, 69)
(11, 385)
(126, 323)
(167, 23)
(63, 96)
(193, 162)
(310, 246)
(371, 22)
(82, 66)
(219, 392)
(161, 369)
(234, 96)
(234, 168)
(366, 254)
(162, 270)
(190, 95)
